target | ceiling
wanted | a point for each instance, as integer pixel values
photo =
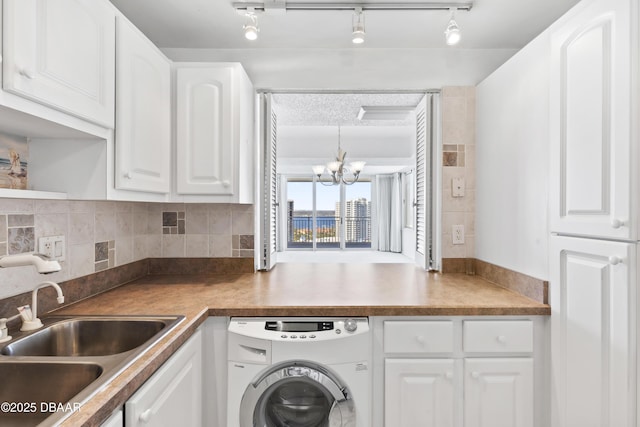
(309, 125)
(313, 50)
(338, 109)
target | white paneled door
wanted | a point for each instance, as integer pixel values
(590, 122)
(498, 392)
(143, 131)
(61, 53)
(205, 150)
(420, 392)
(592, 299)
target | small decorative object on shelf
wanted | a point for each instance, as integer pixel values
(14, 153)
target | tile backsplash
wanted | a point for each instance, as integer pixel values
(458, 162)
(106, 234)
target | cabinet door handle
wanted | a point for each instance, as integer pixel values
(616, 223)
(615, 260)
(145, 416)
(420, 339)
(25, 72)
(448, 375)
(475, 374)
(128, 175)
(501, 339)
(226, 183)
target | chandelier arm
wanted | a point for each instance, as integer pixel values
(355, 179)
(322, 182)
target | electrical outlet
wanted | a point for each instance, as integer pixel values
(53, 247)
(457, 234)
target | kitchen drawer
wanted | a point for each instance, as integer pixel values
(418, 336)
(498, 336)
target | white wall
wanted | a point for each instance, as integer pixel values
(512, 162)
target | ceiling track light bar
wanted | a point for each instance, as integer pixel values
(259, 6)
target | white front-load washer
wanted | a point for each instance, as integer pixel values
(299, 372)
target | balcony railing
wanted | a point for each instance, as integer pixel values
(300, 232)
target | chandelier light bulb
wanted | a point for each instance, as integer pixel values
(357, 36)
(251, 29)
(452, 33)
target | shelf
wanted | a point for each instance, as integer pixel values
(31, 194)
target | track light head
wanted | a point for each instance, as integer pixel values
(452, 33)
(357, 36)
(251, 28)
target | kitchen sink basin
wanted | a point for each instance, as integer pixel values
(46, 375)
(32, 391)
(87, 337)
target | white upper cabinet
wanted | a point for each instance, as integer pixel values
(143, 114)
(214, 133)
(61, 53)
(591, 151)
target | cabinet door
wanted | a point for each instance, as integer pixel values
(591, 294)
(590, 122)
(115, 420)
(498, 392)
(143, 130)
(61, 53)
(204, 130)
(419, 392)
(173, 395)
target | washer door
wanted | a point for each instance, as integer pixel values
(297, 394)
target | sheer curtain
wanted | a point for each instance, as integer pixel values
(389, 210)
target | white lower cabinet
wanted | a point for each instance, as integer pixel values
(419, 392)
(463, 372)
(498, 392)
(115, 420)
(173, 395)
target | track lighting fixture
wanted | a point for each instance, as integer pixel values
(251, 28)
(452, 33)
(357, 37)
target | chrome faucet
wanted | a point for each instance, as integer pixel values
(35, 323)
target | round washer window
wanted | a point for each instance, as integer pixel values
(294, 402)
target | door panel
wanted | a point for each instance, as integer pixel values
(590, 122)
(61, 53)
(143, 134)
(498, 392)
(269, 180)
(590, 294)
(419, 392)
(205, 156)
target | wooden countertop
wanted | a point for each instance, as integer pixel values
(288, 290)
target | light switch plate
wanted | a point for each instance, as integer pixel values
(457, 187)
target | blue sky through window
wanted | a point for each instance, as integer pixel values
(302, 194)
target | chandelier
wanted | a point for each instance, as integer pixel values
(339, 172)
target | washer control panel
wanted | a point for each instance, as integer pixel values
(299, 329)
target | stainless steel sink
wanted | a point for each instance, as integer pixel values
(69, 360)
(31, 391)
(87, 337)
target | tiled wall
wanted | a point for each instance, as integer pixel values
(101, 235)
(458, 161)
